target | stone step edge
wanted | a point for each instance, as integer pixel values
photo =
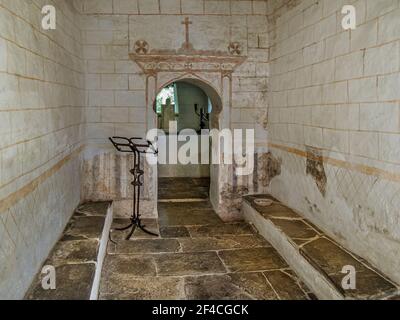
(317, 282)
(183, 200)
(304, 266)
(310, 273)
(102, 251)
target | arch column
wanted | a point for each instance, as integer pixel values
(151, 174)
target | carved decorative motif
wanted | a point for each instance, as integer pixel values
(235, 48)
(153, 63)
(141, 47)
(187, 58)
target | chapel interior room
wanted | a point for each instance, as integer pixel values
(117, 123)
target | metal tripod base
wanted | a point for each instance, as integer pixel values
(135, 223)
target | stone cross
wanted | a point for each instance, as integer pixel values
(187, 22)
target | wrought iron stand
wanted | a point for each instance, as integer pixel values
(127, 145)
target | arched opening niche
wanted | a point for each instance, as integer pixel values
(217, 88)
(215, 102)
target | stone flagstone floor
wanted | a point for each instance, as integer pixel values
(196, 256)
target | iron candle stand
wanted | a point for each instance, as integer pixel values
(127, 145)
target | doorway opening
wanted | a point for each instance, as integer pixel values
(184, 109)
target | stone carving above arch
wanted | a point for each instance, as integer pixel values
(186, 58)
(160, 62)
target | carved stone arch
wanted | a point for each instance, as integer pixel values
(219, 93)
(209, 89)
(212, 72)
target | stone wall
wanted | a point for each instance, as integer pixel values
(116, 86)
(41, 117)
(334, 121)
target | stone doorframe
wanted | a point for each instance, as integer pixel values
(212, 72)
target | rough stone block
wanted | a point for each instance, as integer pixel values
(349, 66)
(389, 147)
(130, 99)
(381, 60)
(383, 117)
(347, 116)
(98, 6)
(336, 140)
(217, 7)
(388, 87)
(192, 6)
(101, 98)
(3, 55)
(363, 90)
(114, 81)
(364, 36)
(364, 144)
(125, 6)
(389, 27)
(149, 7)
(170, 6)
(241, 7)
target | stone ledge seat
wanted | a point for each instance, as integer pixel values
(77, 256)
(314, 256)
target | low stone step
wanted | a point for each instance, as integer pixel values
(78, 256)
(183, 188)
(314, 256)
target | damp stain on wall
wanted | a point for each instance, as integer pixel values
(231, 197)
(270, 167)
(315, 168)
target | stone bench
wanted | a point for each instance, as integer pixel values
(78, 256)
(314, 256)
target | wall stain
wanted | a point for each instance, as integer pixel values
(315, 168)
(312, 207)
(269, 168)
(231, 197)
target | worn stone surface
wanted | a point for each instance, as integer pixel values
(176, 184)
(174, 232)
(275, 210)
(221, 243)
(140, 246)
(286, 285)
(183, 188)
(126, 287)
(168, 216)
(239, 228)
(150, 225)
(181, 264)
(74, 256)
(93, 209)
(242, 286)
(73, 282)
(330, 258)
(255, 259)
(190, 262)
(324, 254)
(295, 229)
(87, 227)
(213, 287)
(183, 206)
(76, 251)
(130, 265)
